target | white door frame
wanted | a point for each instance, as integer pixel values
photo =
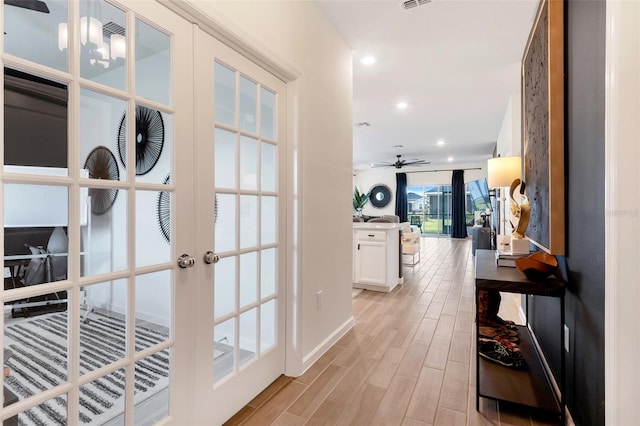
(622, 211)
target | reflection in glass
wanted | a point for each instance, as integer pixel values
(104, 246)
(268, 169)
(248, 335)
(267, 325)
(248, 102)
(153, 309)
(103, 397)
(35, 236)
(37, 350)
(100, 116)
(152, 144)
(35, 124)
(153, 63)
(225, 227)
(103, 325)
(225, 95)
(103, 44)
(152, 376)
(267, 114)
(32, 32)
(268, 224)
(53, 411)
(268, 273)
(225, 286)
(248, 278)
(248, 221)
(224, 349)
(151, 246)
(248, 163)
(225, 159)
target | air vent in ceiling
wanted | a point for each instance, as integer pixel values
(411, 4)
(112, 28)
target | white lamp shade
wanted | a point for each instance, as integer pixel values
(63, 36)
(502, 171)
(91, 31)
(118, 46)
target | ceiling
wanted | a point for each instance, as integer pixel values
(454, 62)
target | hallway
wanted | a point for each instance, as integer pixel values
(407, 361)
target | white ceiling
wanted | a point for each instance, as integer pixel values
(455, 62)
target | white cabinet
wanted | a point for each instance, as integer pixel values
(376, 259)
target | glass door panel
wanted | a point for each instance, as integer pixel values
(240, 117)
(152, 227)
(153, 63)
(103, 43)
(89, 244)
(32, 32)
(102, 329)
(35, 124)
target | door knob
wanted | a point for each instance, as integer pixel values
(186, 261)
(210, 257)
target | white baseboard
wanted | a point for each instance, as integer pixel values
(326, 344)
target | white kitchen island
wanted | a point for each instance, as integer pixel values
(377, 256)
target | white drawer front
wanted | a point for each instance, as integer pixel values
(371, 235)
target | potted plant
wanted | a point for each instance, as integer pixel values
(359, 200)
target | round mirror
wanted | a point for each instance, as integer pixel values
(380, 195)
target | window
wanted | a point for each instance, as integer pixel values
(429, 206)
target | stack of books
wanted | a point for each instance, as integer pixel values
(507, 258)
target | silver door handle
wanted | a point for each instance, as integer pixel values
(210, 257)
(186, 261)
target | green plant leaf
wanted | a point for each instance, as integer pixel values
(359, 199)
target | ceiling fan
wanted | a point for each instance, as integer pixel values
(398, 164)
(37, 5)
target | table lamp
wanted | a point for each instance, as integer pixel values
(501, 172)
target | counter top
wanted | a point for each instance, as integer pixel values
(379, 225)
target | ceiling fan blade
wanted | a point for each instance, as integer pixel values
(381, 165)
(416, 163)
(37, 5)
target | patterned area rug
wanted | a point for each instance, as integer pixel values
(39, 362)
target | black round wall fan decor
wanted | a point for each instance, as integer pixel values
(149, 139)
(163, 212)
(102, 164)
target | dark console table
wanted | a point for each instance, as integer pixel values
(531, 387)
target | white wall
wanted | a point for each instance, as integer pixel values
(510, 135)
(320, 128)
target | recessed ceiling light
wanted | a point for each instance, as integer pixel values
(368, 60)
(402, 105)
(363, 124)
(398, 146)
(440, 142)
(450, 159)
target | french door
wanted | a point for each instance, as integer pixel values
(97, 146)
(240, 163)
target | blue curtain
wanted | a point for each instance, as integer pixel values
(458, 210)
(401, 196)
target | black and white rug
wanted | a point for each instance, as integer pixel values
(39, 362)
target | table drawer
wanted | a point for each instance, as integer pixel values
(371, 235)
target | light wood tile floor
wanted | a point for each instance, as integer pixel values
(407, 361)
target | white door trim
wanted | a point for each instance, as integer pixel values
(622, 211)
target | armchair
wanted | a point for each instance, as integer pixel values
(410, 247)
